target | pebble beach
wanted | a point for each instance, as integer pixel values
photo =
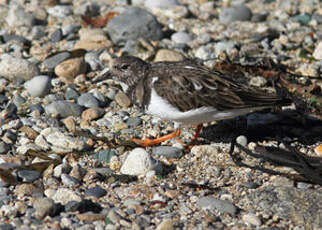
(65, 157)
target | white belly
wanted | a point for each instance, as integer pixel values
(163, 109)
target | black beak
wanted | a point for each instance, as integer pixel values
(105, 76)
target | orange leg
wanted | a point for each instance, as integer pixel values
(152, 142)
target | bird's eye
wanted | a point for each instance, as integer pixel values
(124, 66)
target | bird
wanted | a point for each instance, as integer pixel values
(187, 93)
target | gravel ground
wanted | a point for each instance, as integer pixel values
(65, 159)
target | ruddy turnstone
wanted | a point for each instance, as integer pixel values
(187, 93)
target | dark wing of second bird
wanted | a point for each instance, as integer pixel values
(187, 85)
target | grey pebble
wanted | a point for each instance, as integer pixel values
(96, 191)
(242, 140)
(133, 24)
(52, 61)
(18, 100)
(63, 109)
(60, 11)
(10, 37)
(6, 227)
(56, 36)
(38, 86)
(167, 151)
(92, 59)
(4, 148)
(88, 100)
(134, 121)
(38, 32)
(71, 94)
(104, 155)
(164, 4)
(37, 107)
(181, 37)
(29, 175)
(213, 203)
(60, 169)
(44, 207)
(14, 68)
(17, 16)
(69, 180)
(236, 13)
(258, 81)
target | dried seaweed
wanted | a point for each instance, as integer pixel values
(309, 168)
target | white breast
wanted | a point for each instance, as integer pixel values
(160, 107)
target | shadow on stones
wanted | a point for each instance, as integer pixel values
(262, 126)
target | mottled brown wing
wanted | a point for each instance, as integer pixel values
(187, 85)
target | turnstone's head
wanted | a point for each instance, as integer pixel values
(129, 69)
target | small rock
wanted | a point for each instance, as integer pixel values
(58, 141)
(168, 55)
(258, 81)
(52, 61)
(92, 114)
(29, 132)
(242, 140)
(318, 150)
(63, 109)
(60, 169)
(181, 37)
(56, 36)
(64, 195)
(252, 219)
(70, 124)
(29, 175)
(38, 86)
(14, 68)
(113, 216)
(60, 11)
(28, 190)
(138, 162)
(69, 180)
(97, 192)
(236, 13)
(17, 17)
(88, 100)
(134, 121)
(4, 147)
(44, 207)
(69, 69)
(164, 4)
(104, 155)
(122, 99)
(317, 54)
(83, 206)
(213, 203)
(132, 24)
(71, 94)
(167, 151)
(92, 39)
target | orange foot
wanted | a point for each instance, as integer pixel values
(152, 142)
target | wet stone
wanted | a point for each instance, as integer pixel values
(167, 151)
(133, 24)
(96, 191)
(56, 36)
(213, 203)
(52, 61)
(104, 155)
(63, 109)
(83, 206)
(28, 175)
(88, 100)
(236, 13)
